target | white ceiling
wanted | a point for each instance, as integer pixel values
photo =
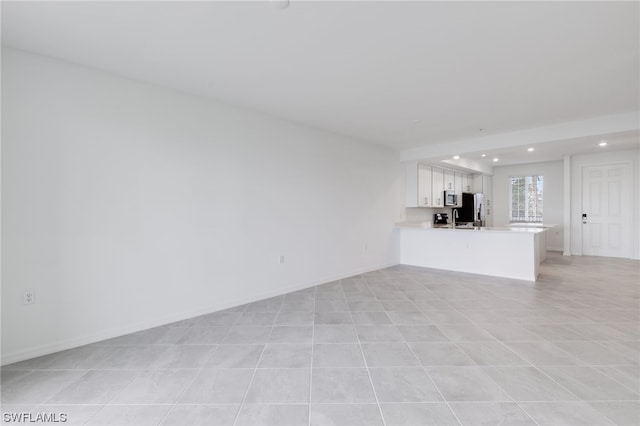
(543, 151)
(402, 74)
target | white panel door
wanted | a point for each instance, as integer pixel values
(607, 205)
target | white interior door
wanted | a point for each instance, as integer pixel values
(607, 205)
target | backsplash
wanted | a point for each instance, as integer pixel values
(423, 214)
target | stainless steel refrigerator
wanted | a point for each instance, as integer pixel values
(472, 210)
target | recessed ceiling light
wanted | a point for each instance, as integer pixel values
(484, 155)
(530, 149)
(456, 157)
(603, 143)
(496, 159)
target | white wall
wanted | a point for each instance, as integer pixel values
(579, 161)
(128, 206)
(553, 196)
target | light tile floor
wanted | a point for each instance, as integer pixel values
(399, 346)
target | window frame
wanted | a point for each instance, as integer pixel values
(522, 219)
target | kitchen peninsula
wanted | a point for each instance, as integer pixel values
(509, 252)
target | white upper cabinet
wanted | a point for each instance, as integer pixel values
(437, 176)
(418, 185)
(467, 183)
(425, 186)
(458, 185)
(484, 184)
(478, 183)
(449, 180)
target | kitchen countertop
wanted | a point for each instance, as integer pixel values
(532, 225)
(447, 228)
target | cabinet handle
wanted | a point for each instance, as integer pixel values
(426, 200)
(438, 202)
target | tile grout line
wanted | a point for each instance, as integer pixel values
(595, 367)
(473, 322)
(213, 404)
(423, 367)
(493, 381)
(364, 359)
(313, 335)
(580, 362)
(337, 344)
(255, 370)
(536, 368)
(101, 408)
(199, 372)
(434, 384)
(472, 360)
(579, 400)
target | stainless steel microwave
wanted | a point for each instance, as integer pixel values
(450, 198)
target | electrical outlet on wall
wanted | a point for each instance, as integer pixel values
(29, 297)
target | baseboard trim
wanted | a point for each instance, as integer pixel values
(88, 339)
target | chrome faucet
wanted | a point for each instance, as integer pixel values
(454, 216)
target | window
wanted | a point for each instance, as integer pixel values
(526, 198)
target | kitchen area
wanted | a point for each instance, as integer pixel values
(450, 226)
